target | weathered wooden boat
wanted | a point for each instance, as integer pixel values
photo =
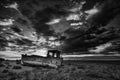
(52, 59)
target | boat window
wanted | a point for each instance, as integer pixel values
(55, 55)
(51, 54)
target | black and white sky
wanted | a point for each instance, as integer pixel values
(33, 26)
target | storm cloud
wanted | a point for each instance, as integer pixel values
(76, 25)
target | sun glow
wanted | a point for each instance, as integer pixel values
(41, 52)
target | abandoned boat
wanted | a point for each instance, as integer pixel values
(52, 59)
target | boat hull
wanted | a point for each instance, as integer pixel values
(41, 61)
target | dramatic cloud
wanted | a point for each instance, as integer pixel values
(69, 25)
(100, 48)
(6, 22)
(92, 12)
(54, 21)
(14, 6)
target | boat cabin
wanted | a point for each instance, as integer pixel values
(53, 53)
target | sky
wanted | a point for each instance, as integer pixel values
(32, 26)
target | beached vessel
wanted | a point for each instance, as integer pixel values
(52, 59)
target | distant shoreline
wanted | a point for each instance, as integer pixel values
(80, 57)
